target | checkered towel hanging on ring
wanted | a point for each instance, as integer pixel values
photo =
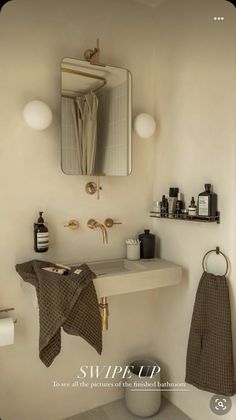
(210, 364)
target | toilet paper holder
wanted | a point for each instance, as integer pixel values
(8, 310)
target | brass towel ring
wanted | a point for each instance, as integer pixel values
(217, 250)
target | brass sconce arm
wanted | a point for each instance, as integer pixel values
(93, 56)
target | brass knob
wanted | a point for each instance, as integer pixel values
(94, 187)
(92, 224)
(91, 188)
(73, 224)
(110, 222)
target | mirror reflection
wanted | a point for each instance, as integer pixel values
(96, 119)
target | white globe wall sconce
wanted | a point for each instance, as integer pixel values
(144, 125)
(37, 115)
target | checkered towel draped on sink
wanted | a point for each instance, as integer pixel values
(210, 365)
(67, 301)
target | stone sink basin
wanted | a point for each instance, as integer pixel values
(105, 267)
(121, 276)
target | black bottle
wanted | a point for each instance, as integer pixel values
(167, 208)
(147, 244)
(164, 207)
(207, 202)
(40, 235)
(179, 206)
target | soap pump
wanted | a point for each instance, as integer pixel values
(41, 240)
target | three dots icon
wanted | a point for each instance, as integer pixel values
(219, 18)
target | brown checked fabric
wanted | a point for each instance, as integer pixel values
(67, 301)
(210, 365)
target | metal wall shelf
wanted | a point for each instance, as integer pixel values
(186, 218)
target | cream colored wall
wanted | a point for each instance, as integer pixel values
(195, 105)
(194, 73)
(34, 37)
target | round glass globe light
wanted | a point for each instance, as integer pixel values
(144, 125)
(37, 115)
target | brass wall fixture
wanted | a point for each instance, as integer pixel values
(94, 187)
(110, 222)
(93, 224)
(104, 311)
(73, 224)
(93, 56)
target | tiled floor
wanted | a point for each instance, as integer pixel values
(117, 411)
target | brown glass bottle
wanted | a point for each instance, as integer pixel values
(207, 202)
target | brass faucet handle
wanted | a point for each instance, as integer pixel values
(94, 187)
(110, 222)
(73, 224)
(92, 224)
(91, 188)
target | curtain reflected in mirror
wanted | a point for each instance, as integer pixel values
(96, 119)
(84, 111)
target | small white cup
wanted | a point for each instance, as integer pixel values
(133, 251)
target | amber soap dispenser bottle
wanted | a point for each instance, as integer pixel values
(41, 241)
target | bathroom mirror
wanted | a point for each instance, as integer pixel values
(96, 119)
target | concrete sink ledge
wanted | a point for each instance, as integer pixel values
(121, 276)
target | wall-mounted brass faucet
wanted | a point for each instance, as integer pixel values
(93, 224)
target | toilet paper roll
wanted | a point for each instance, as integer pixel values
(6, 331)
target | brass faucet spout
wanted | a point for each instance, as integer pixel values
(93, 224)
(104, 234)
